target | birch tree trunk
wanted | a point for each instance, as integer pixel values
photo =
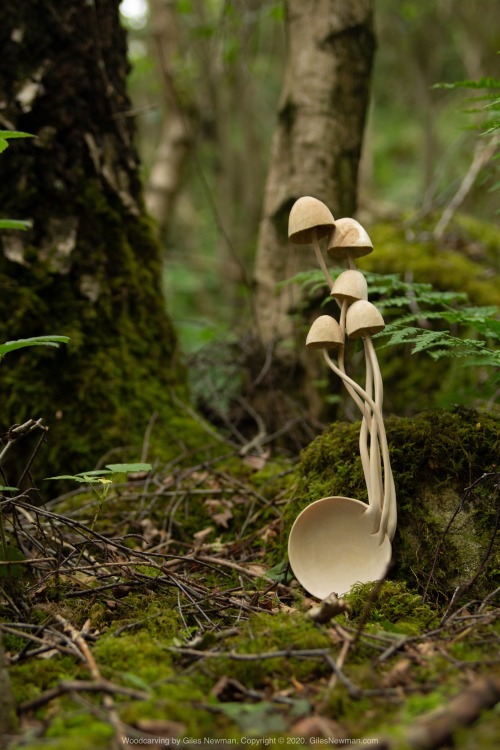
(177, 133)
(317, 142)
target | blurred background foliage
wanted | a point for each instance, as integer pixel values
(215, 67)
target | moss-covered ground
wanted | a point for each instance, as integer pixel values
(175, 617)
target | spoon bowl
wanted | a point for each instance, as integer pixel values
(331, 547)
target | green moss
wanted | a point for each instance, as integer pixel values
(138, 654)
(265, 633)
(483, 733)
(394, 608)
(82, 732)
(28, 682)
(174, 698)
(121, 363)
(77, 732)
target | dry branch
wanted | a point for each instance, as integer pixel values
(437, 728)
(75, 686)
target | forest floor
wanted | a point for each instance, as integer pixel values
(163, 612)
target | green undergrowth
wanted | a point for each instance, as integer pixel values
(139, 645)
(236, 673)
(465, 260)
(228, 498)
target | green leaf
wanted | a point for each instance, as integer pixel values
(15, 224)
(8, 489)
(94, 473)
(73, 477)
(11, 346)
(278, 572)
(6, 135)
(128, 468)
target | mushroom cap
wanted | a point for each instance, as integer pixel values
(325, 332)
(307, 216)
(349, 238)
(351, 286)
(363, 318)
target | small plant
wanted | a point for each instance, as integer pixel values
(10, 346)
(5, 136)
(100, 481)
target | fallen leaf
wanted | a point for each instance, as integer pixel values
(399, 674)
(200, 536)
(256, 462)
(222, 519)
(318, 726)
(299, 687)
(227, 689)
(149, 530)
(220, 511)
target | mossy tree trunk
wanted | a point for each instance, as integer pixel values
(317, 141)
(7, 710)
(90, 267)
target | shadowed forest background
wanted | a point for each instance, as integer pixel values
(153, 464)
(207, 82)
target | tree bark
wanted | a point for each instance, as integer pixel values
(90, 267)
(317, 142)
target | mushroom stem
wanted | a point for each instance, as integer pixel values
(390, 512)
(381, 531)
(363, 433)
(321, 260)
(351, 262)
(376, 483)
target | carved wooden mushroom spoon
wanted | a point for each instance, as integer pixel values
(338, 541)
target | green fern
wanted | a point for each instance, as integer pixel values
(428, 311)
(487, 105)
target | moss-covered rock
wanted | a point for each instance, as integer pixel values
(464, 260)
(445, 466)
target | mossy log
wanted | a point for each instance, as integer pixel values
(90, 267)
(445, 466)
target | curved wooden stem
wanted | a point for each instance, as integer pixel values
(389, 514)
(380, 425)
(321, 260)
(363, 433)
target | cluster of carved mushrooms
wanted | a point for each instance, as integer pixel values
(337, 542)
